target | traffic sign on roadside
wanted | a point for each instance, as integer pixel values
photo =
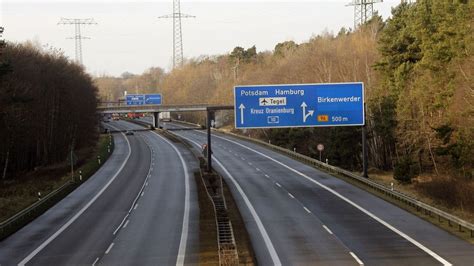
(320, 147)
(303, 105)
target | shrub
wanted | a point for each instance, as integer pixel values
(404, 170)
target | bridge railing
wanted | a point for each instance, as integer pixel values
(161, 108)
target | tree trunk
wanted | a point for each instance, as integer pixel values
(4, 175)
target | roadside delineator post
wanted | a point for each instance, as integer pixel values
(98, 159)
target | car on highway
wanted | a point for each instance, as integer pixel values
(128, 133)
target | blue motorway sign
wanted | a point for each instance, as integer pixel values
(152, 98)
(141, 99)
(135, 99)
(305, 105)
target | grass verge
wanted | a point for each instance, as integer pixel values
(19, 194)
(208, 254)
(208, 247)
(242, 238)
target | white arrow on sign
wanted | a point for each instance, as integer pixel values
(242, 107)
(306, 115)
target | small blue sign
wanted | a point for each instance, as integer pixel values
(304, 105)
(152, 98)
(142, 99)
(135, 99)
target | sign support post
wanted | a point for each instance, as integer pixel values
(209, 150)
(365, 155)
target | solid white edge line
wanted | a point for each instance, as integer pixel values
(356, 258)
(373, 216)
(261, 228)
(80, 212)
(185, 228)
(327, 229)
(109, 248)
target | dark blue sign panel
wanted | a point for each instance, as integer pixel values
(141, 99)
(305, 105)
(135, 99)
(152, 98)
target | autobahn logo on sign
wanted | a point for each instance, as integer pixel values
(303, 105)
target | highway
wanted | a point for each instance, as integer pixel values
(140, 208)
(297, 215)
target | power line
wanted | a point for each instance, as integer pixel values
(177, 33)
(77, 37)
(363, 11)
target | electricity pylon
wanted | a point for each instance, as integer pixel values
(2, 42)
(363, 11)
(177, 33)
(77, 37)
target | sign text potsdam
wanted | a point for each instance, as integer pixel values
(305, 105)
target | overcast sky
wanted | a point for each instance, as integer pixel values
(130, 37)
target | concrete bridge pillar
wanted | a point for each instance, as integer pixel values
(156, 119)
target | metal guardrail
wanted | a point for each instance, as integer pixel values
(227, 248)
(20, 219)
(26, 215)
(397, 195)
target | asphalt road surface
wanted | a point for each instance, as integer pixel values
(297, 215)
(140, 208)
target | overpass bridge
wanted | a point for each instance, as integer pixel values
(157, 109)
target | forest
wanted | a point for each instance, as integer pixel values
(47, 108)
(417, 69)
